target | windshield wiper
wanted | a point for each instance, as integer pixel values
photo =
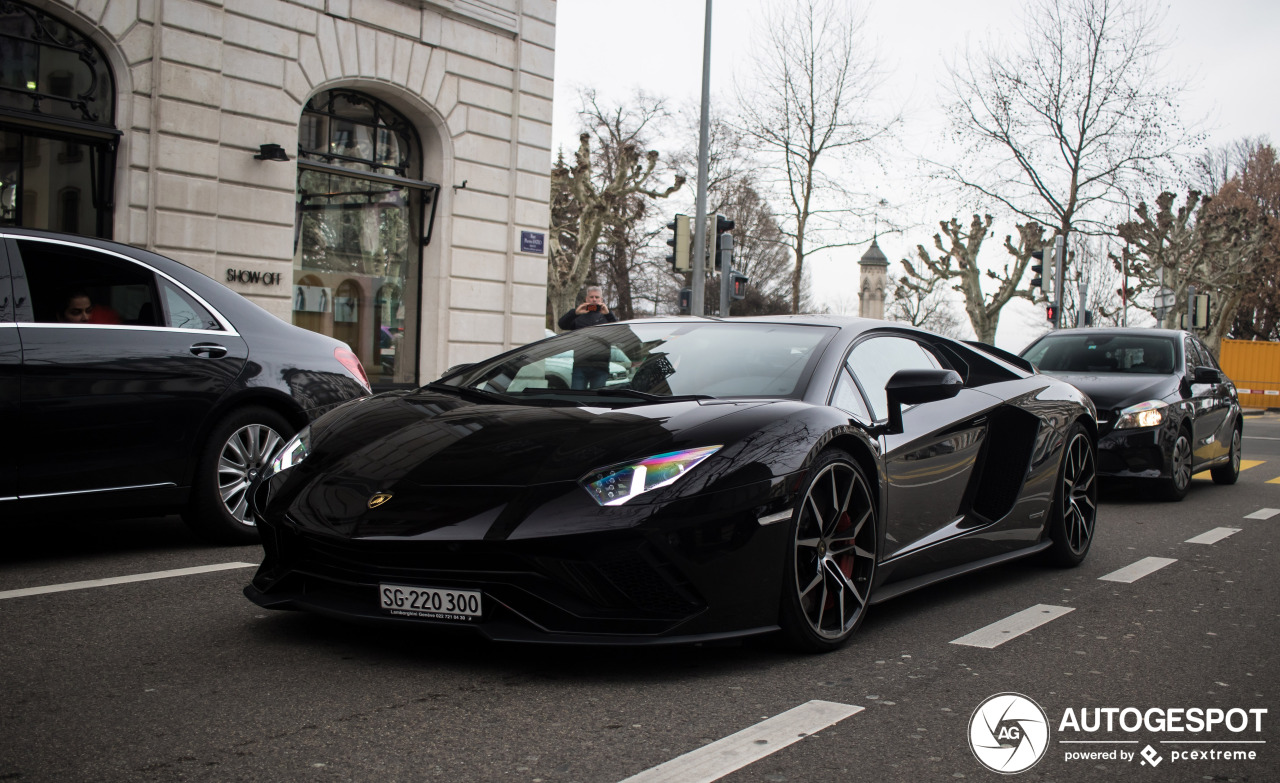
(632, 393)
(473, 394)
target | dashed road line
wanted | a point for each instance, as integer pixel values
(714, 761)
(1134, 572)
(1263, 513)
(120, 580)
(1012, 626)
(1213, 536)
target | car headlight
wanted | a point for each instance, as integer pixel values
(295, 451)
(1144, 414)
(616, 484)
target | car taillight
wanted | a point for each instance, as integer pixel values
(353, 366)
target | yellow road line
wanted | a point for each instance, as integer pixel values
(1245, 464)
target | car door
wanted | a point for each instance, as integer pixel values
(928, 465)
(1217, 420)
(10, 379)
(1207, 413)
(117, 402)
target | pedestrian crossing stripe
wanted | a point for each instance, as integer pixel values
(1245, 464)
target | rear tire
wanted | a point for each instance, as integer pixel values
(239, 447)
(831, 556)
(1174, 488)
(1075, 502)
(1230, 471)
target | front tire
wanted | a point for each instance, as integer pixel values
(1175, 487)
(1075, 504)
(1228, 473)
(831, 557)
(239, 447)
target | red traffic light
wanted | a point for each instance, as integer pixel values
(1050, 312)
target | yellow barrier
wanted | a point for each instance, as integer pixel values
(1254, 367)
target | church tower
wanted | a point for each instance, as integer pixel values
(874, 276)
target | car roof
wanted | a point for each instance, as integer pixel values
(1135, 330)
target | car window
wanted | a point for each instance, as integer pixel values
(1193, 358)
(664, 359)
(873, 362)
(78, 285)
(1104, 353)
(183, 312)
(848, 399)
(1209, 360)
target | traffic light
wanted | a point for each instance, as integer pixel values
(1050, 313)
(1043, 271)
(679, 258)
(739, 290)
(723, 240)
(686, 299)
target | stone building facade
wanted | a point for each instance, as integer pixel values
(377, 170)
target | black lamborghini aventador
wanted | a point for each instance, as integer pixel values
(738, 477)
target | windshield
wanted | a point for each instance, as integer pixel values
(1104, 353)
(664, 359)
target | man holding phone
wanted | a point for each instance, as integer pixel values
(590, 363)
(592, 312)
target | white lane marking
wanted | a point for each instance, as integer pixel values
(119, 580)
(1263, 513)
(1213, 536)
(714, 761)
(1259, 437)
(1134, 572)
(1012, 626)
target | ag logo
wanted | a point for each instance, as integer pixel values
(379, 499)
(1009, 733)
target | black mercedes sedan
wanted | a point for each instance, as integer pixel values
(1165, 408)
(134, 383)
(735, 478)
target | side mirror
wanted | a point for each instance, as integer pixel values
(912, 387)
(1206, 375)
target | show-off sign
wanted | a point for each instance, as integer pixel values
(248, 276)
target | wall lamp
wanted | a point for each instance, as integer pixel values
(271, 152)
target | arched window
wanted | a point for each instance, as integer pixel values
(57, 101)
(361, 212)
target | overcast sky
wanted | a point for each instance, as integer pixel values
(1228, 50)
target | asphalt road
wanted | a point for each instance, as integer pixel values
(182, 678)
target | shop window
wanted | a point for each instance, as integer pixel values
(361, 212)
(57, 134)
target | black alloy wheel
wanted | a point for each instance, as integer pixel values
(1228, 472)
(832, 557)
(1075, 504)
(239, 448)
(1179, 481)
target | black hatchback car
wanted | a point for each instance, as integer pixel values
(1165, 409)
(136, 383)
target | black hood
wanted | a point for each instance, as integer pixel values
(1114, 391)
(432, 439)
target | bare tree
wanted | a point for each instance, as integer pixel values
(1215, 248)
(603, 191)
(1092, 272)
(925, 306)
(811, 108)
(958, 260)
(1061, 122)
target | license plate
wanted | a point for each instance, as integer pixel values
(430, 602)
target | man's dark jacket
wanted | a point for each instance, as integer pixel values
(571, 319)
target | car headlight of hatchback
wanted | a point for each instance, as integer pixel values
(1144, 414)
(616, 484)
(294, 452)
